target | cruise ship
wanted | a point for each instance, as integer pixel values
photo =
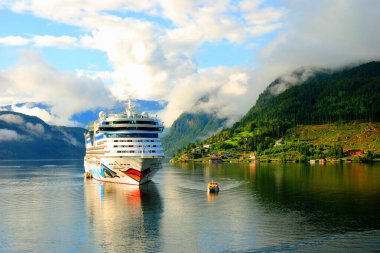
(124, 148)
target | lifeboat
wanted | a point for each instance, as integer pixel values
(212, 187)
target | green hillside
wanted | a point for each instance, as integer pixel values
(190, 127)
(28, 137)
(326, 98)
(351, 94)
(333, 141)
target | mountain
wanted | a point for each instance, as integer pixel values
(190, 127)
(28, 137)
(326, 98)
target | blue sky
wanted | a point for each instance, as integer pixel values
(84, 55)
(28, 25)
(24, 24)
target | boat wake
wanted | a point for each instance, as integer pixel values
(201, 186)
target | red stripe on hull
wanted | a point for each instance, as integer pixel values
(105, 181)
(137, 175)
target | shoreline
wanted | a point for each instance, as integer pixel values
(272, 160)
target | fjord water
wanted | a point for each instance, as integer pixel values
(47, 206)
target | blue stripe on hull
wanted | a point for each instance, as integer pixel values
(103, 171)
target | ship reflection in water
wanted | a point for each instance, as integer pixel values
(123, 217)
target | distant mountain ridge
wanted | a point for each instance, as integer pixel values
(28, 137)
(190, 127)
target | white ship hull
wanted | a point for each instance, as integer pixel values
(123, 148)
(126, 170)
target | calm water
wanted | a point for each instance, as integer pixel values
(47, 206)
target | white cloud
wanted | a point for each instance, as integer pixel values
(12, 119)
(316, 35)
(105, 76)
(155, 62)
(215, 90)
(249, 5)
(147, 57)
(323, 34)
(33, 80)
(293, 78)
(263, 16)
(10, 135)
(36, 129)
(41, 41)
(35, 111)
(14, 41)
(70, 139)
(54, 41)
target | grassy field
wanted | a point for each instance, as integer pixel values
(364, 136)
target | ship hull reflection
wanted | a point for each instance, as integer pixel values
(124, 217)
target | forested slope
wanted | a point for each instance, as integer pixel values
(190, 127)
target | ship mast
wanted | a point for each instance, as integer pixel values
(130, 108)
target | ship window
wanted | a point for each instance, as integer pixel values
(109, 129)
(146, 122)
(131, 135)
(122, 122)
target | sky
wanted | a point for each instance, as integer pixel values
(191, 55)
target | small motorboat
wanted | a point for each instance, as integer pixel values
(212, 187)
